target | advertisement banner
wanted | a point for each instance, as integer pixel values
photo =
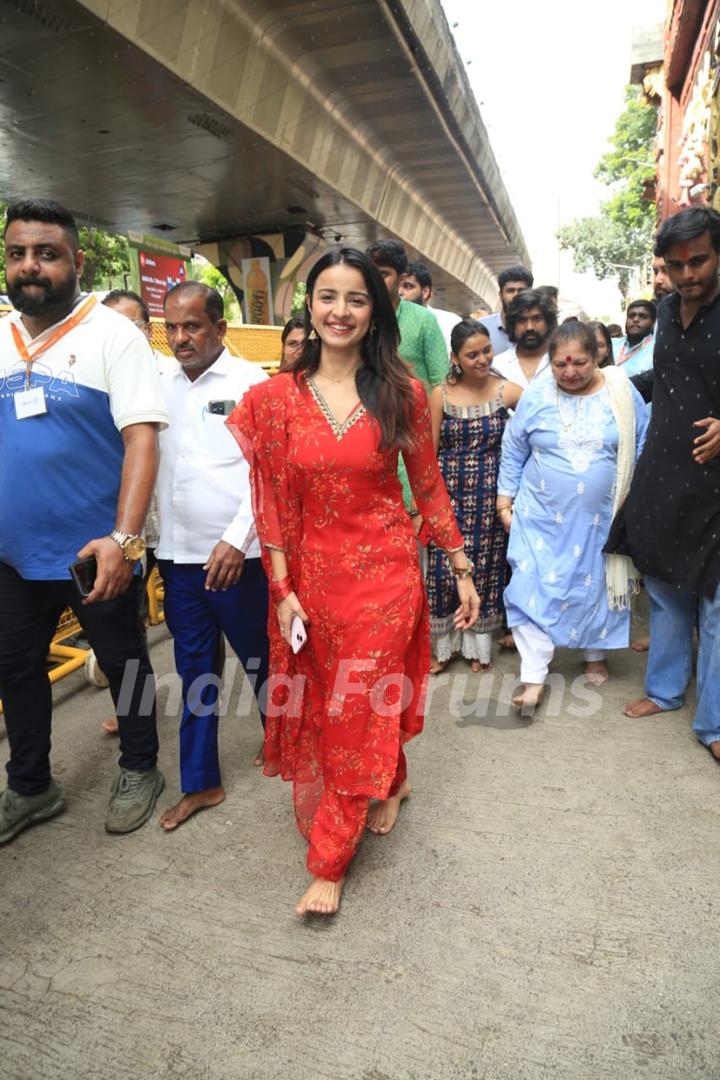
(158, 273)
(257, 301)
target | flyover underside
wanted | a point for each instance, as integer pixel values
(218, 119)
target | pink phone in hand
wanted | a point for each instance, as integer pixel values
(298, 634)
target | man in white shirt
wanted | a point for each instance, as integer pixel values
(416, 286)
(208, 553)
(531, 319)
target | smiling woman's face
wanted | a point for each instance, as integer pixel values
(340, 307)
(475, 356)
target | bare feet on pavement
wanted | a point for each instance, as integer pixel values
(383, 814)
(507, 641)
(437, 666)
(642, 707)
(111, 726)
(596, 671)
(189, 805)
(260, 757)
(531, 696)
(322, 898)
(642, 644)
(714, 748)
(477, 666)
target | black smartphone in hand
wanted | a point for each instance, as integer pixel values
(83, 572)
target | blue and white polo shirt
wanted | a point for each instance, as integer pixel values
(60, 472)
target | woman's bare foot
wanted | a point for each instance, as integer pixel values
(111, 726)
(714, 748)
(642, 707)
(507, 641)
(322, 898)
(642, 644)
(437, 666)
(383, 814)
(530, 698)
(476, 666)
(596, 671)
(260, 757)
(189, 805)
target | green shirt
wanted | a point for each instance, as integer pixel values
(423, 347)
(422, 343)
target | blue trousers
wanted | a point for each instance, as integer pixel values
(673, 617)
(197, 619)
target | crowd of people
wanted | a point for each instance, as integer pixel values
(410, 484)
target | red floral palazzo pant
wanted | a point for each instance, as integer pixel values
(336, 827)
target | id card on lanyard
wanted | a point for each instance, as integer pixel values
(31, 401)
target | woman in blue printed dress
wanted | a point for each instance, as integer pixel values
(469, 413)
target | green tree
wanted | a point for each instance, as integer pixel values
(106, 259)
(298, 301)
(203, 271)
(619, 239)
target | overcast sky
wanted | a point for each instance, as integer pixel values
(549, 80)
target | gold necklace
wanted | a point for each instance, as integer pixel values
(329, 378)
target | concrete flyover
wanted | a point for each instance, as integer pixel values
(295, 122)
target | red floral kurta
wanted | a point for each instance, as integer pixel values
(331, 499)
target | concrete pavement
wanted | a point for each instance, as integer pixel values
(546, 908)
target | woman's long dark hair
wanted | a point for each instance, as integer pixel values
(383, 380)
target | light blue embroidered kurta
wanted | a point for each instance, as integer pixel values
(559, 464)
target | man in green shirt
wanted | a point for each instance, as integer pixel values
(422, 344)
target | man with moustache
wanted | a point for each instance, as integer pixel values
(634, 352)
(531, 319)
(669, 521)
(81, 406)
(417, 287)
(208, 553)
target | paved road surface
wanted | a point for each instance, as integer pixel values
(546, 908)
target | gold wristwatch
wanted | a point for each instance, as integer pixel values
(132, 547)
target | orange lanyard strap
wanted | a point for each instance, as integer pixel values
(30, 355)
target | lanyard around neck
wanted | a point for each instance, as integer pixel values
(29, 355)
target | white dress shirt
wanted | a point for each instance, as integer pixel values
(203, 482)
(508, 365)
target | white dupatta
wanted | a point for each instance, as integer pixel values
(621, 576)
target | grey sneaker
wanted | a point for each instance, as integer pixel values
(133, 799)
(19, 811)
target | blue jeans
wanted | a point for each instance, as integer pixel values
(197, 619)
(673, 617)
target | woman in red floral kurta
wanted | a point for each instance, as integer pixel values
(339, 549)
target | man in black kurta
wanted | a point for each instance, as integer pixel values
(671, 518)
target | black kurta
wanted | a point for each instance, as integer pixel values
(670, 523)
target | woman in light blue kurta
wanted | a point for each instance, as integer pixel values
(559, 474)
